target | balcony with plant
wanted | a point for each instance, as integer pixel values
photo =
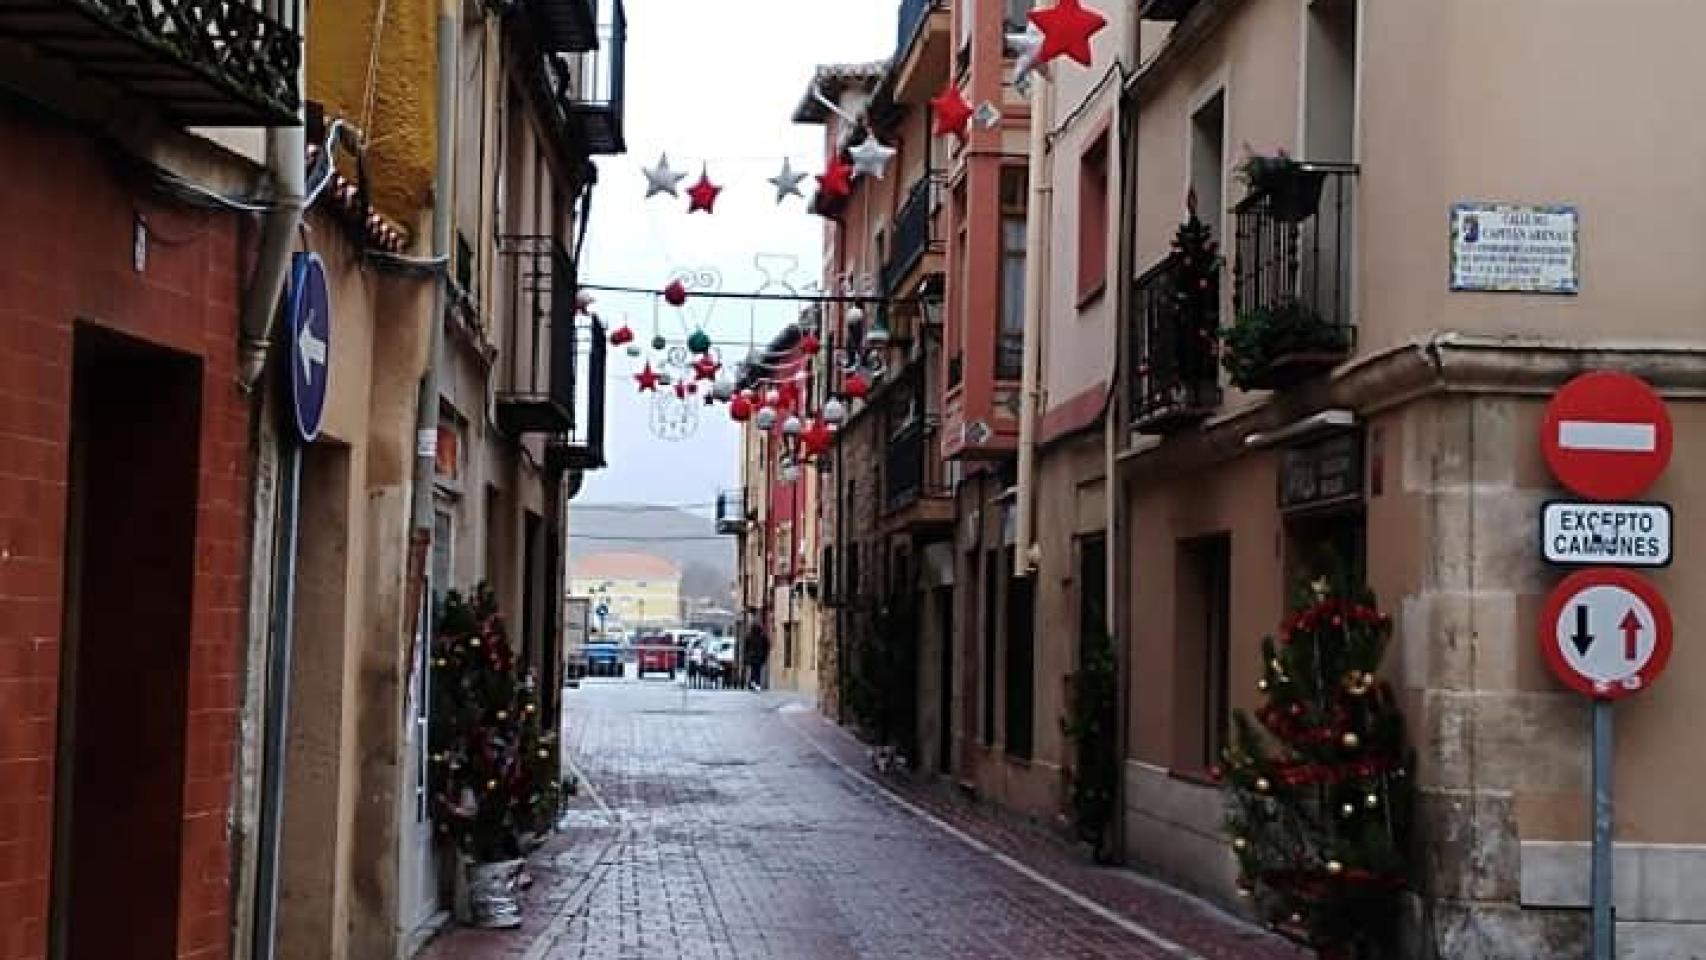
(1174, 333)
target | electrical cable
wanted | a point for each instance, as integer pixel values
(787, 297)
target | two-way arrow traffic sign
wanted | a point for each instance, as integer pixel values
(1585, 619)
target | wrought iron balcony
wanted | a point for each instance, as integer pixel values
(565, 26)
(911, 235)
(581, 447)
(1173, 10)
(731, 512)
(589, 88)
(537, 383)
(1292, 280)
(204, 62)
(913, 471)
(1174, 324)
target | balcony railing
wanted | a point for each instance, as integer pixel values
(1292, 285)
(912, 470)
(1174, 370)
(911, 234)
(565, 26)
(589, 88)
(204, 62)
(731, 512)
(581, 446)
(538, 393)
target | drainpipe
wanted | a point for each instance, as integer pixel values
(1038, 269)
(287, 167)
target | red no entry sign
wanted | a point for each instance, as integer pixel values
(1606, 633)
(1606, 435)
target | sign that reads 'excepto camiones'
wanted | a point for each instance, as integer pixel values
(1609, 534)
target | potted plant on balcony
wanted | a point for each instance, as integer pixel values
(1292, 189)
(494, 770)
(1275, 345)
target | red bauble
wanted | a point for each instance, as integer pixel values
(681, 391)
(856, 386)
(675, 295)
(953, 112)
(809, 345)
(740, 409)
(621, 335)
(836, 180)
(703, 195)
(815, 438)
(1067, 28)
(647, 378)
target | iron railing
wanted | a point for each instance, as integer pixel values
(581, 446)
(911, 467)
(589, 88)
(567, 26)
(1173, 356)
(911, 234)
(204, 62)
(537, 392)
(1292, 279)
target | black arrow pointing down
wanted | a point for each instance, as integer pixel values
(1582, 638)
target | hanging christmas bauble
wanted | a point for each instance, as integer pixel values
(792, 426)
(766, 418)
(877, 338)
(1262, 684)
(658, 342)
(815, 438)
(621, 335)
(772, 397)
(740, 409)
(1239, 843)
(1335, 868)
(856, 386)
(809, 344)
(698, 341)
(634, 349)
(1347, 810)
(1371, 801)
(1350, 740)
(723, 389)
(692, 386)
(1296, 918)
(1262, 785)
(834, 412)
(675, 294)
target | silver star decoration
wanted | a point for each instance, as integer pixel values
(987, 116)
(661, 179)
(788, 181)
(870, 157)
(1026, 47)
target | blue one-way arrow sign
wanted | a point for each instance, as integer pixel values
(308, 308)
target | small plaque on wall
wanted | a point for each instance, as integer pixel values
(1321, 473)
(1505, 248)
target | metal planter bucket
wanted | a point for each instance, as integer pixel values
(489, 895)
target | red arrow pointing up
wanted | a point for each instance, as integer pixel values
(1631, 627)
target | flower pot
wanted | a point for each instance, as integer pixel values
(487, 895)
(1293, 194)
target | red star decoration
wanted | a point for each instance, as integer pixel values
(953, 113)
(1067, 28)
(705, 368)
(648, 378)
(702, 195)
(814, 439)
(836, 180)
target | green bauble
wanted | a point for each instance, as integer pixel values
(699, 341)
(658, 342)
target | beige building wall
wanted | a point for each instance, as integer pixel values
(1456, 101)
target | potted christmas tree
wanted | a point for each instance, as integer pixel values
(494, 769)
(1317, 782)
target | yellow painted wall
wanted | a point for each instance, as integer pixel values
(400, 117)
(634, 603)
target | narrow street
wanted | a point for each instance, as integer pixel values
(724, 824)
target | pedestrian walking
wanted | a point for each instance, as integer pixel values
(757, 655)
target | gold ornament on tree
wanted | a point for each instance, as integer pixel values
(1350, 740)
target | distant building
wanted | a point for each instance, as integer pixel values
(635, 590)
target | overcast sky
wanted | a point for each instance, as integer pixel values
(733, 116)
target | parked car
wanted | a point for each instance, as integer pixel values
(722, 660)
(604, 657)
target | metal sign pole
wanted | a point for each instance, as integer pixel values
(1600, 879)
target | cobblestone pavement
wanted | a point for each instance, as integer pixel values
(723, 824)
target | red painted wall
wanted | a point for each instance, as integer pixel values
(66, 256)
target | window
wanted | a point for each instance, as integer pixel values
(958, 316)
(1208, 160)
(788, 645)
(1329, 57)
(1021, 662)
(1014, 17)
(1010, 345)
(1093, 221)
(1203, 609)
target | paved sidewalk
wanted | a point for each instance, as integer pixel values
(722, 824)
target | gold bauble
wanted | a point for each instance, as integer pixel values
(1347, 810)
(1350, 740)
(1335, 868)
(1239, 843)
(1262, 684)
(503, 714)
(1261, 784)
(529, 708)
(491, 784)
(473, 641)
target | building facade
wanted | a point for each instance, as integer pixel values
(629, 592)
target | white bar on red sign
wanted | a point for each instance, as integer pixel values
(1610, 437)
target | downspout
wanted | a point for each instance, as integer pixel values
(1119, 555)
(1038, 270)
(287, 168)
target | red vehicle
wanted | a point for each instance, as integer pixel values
(656, 653)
